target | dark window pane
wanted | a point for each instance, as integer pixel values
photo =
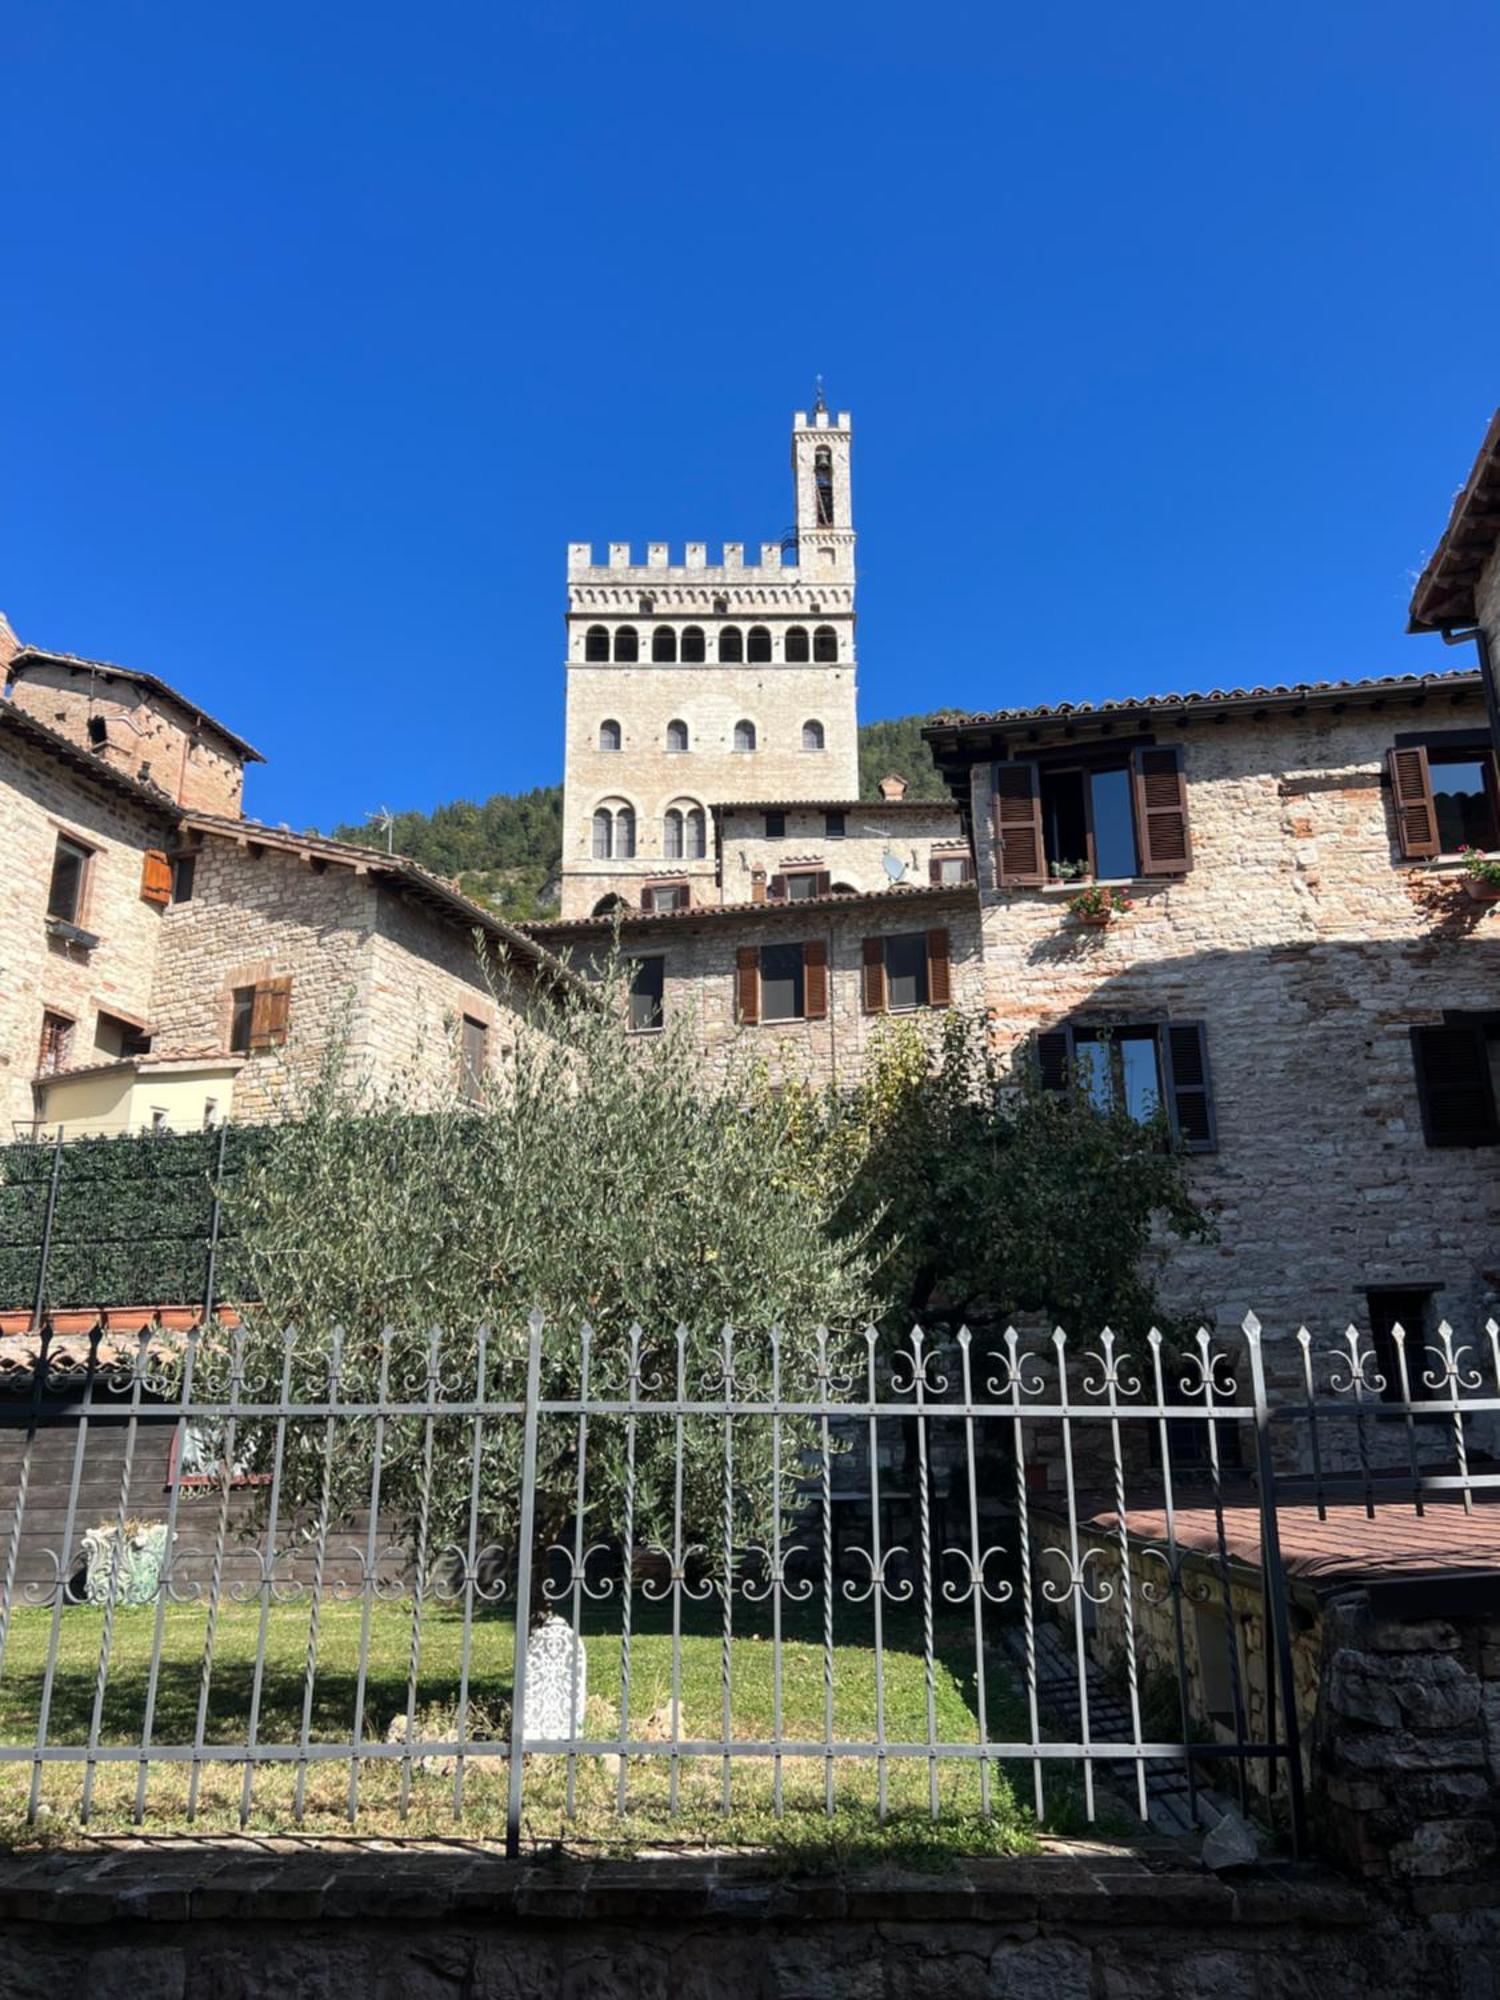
(1465, 814)
(834, 825)
(1064, 826)
(1408, 1310)
(66, 890)
(800, 887)
(1121, 1069)
(906, 971)
(184, 868)
(775, 826)
(239, 1025)
(781, 982)
(475, 1038)
(647, 983)
(1114, 825)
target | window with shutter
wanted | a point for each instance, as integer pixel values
(260, 1016)
(1189, 1098)
(1161, 812)
(1411, 793)
(647, 990)
(1141, 1069)
(474, 1059)
(874, 975)
(783, 982)
(1458, 1066)
(747, 984)
(939, 976)
(156, 877)
(949, 871)
(1054, 1057)
(1018, 826)
(815, 979)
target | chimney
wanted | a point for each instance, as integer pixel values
(893, 787)
(757, 885)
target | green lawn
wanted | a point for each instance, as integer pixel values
(700, 1816)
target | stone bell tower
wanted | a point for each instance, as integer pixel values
(694, 684)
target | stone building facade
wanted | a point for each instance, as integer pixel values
(169, 966)
(859, 846)
(135, 724)
(695, 682)
(1302, 980)
(800, 987)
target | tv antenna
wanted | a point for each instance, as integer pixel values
(384, 820)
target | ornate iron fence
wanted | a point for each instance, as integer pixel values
(243, 1570)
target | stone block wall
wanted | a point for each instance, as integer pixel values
(854, 860)
(699, 977)
(40, 799)
(1309, 950)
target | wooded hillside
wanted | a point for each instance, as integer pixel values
(506, 851)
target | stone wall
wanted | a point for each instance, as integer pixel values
(237, 1920)
(854, 859)
(145, 733)
(41, 798)
(1309, 950)
(699, 977)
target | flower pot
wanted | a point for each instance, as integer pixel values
(1481, 891)
(1097, 920)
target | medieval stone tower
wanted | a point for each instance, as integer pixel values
(693, 685)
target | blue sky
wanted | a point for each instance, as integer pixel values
(1168, 333)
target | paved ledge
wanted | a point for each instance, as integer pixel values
(246, 1919)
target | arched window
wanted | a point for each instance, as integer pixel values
(614, 831)
(677, 736)
(596, 643)
(812, 735)
(671, 834)
(759, 648)
(694, 649)
(664, 644)
(627, 643)
(797, 648)
(744, 736)
(823, 483)
(696, 831)
(825, 643)
(607, 905)
(610, 737)
(732, 644)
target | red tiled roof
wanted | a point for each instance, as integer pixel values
(1291, 695)
(714, 912)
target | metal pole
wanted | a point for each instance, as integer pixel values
(1275, 1591)
(210, 1277)
(44, 1257)
(523, 1583)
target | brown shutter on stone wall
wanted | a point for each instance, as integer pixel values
(1161, 810)
(776, 889)
(747, 984)
(1454, 1085)
(874, 975)
(156, 877)
(1020, 858)
(1184, 1053)
(822, 883)
(1411, 792)
(268, 1016)
(939, 977)
(815, 979)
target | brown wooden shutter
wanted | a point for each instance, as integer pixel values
(1453, 1085)
(1161, 810)
(1411, 792)
(747, 984)
(822, 882)
(874, 975)
(1054, 1055)
(815, 979)
(939, 979)
(776, 889)
(1019, 855)
(1190, 1104)
(268, 1015)
(156, 877)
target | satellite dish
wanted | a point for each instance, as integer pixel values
(893, 865)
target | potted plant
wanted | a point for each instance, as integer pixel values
(1481, 874)
(1098, 905)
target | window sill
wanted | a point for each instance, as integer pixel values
(1136, 883)
(71, 934)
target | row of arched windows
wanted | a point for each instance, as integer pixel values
(684, 832)
(690, 646)
(678, 736)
